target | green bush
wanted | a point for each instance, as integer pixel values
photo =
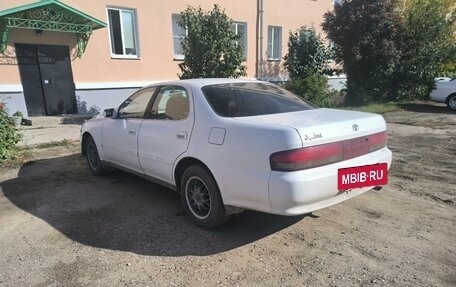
(307, 54)
(9, 134)
(18, 114)
(391, 50)
(313, 88)
(211, 47)
(426, 46)
(448, 70)
(305, 62)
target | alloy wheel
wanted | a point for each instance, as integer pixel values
(198, 197)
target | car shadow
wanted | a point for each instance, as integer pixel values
(123, 212)
(434, 108)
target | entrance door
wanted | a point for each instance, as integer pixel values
(47, 79)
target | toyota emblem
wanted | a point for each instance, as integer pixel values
(355, 127)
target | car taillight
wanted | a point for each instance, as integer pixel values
(319, 155)
(305, 158)
(377, 141)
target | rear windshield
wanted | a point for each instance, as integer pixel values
(252, 99)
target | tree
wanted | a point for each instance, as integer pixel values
(392, 49)
(305, 62)
(425, 43)
(211, 48)
(364, 34)
(448, 10)
(307, 54)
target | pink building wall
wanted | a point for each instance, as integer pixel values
(156, 61)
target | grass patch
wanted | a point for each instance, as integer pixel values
(376, 108)
(63, 142)
(20, 157)
(27, 154)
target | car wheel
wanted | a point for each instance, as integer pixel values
(452, 102)
(93, 159)
(201, 198)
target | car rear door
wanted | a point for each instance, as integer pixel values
(120, 134)
(164, 135)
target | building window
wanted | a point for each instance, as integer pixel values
(274, 43)
(240, 28)
(179, 34)
(123, 32)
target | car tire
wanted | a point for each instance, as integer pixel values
(93, 159)
(201, 198)
(451, 103)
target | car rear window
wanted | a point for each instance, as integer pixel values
(252, 99)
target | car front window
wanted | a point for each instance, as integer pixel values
(252, 99)
(136, 105)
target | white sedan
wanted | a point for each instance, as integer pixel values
(228, 145)
(445, 92)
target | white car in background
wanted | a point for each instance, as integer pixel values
(227, 145)
(445, 92)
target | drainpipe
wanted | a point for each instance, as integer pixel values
(260, 39)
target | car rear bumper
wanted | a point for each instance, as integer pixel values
(301, 192)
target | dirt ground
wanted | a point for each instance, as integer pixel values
(61, 226)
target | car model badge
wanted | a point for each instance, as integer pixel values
(313, 136)
(355, 127)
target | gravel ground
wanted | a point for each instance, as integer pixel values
(61, 226)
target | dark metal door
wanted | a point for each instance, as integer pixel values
(57, 79)
(47, 80)
(31, 79)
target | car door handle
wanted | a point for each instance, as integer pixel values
(182, 136)
(132, 132)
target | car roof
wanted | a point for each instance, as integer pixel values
(199, 83)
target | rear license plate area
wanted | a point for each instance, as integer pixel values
(362, 176)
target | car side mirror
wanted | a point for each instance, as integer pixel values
(108, 113)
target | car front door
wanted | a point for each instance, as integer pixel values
(120, 134)
(165, 134)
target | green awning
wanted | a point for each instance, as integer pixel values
(49, 15)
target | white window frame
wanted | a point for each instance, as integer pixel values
(244, 37)
(135, 34)
(271, 56)
(173, 18)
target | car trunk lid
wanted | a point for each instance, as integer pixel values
(320, 126)
(327, 136)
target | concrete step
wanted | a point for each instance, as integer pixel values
(52, 129)
(54, 121)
